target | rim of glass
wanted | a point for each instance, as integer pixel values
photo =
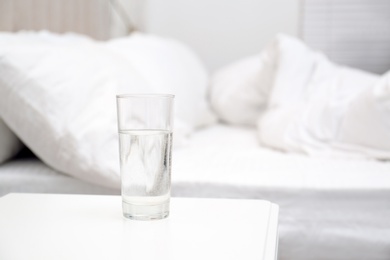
(145, 96)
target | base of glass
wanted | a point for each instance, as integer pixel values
(145, 212)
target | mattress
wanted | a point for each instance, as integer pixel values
(329, 209)
(31, 175)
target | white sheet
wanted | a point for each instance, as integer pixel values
(329, 209)
(226, 150)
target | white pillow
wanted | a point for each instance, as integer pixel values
(170, 67)
(320, 108)
(240, 90)
(59, 97)
(234, 91)
(9, 143)
(60, 101)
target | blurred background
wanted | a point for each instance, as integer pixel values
(351, 32)
(338, 208)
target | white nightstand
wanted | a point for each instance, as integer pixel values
(43, 226)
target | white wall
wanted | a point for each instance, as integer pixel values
(220, 31)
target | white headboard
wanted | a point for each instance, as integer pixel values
(350, 32)
(96, 18)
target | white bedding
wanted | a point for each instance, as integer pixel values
(304, 103)
(217, 153)
(329, 209)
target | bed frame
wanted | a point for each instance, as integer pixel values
(99, 19)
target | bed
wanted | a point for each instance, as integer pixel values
(329, 208)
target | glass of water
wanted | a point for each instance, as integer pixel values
(145, 125)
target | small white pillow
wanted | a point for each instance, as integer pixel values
(240, 90)
(9, 143)
(234, 91)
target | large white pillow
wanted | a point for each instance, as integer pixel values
(60, 101)
(10, 145)
(320, 108)
(59, 98)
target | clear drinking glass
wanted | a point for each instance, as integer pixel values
(145, 125)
